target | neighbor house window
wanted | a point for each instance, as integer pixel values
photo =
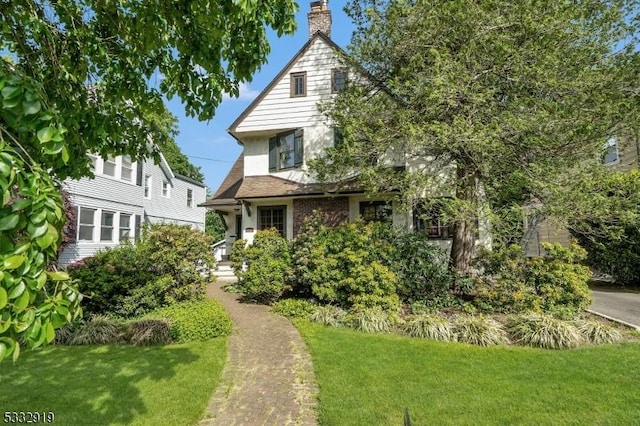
(611, 151)
(124, 233)
(166, 189)
(189, 198)
(273, 217)
(109, 166)
(375, 211)
(286, 150)
(86, 223)
(338, 80)
(428, 219)
(147, 186)
(126, 171)
(106, 226)
(298, 84)
(338, 139)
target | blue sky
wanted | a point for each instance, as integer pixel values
(209, 141)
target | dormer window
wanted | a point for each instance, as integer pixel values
(286, 150)
(127, 169)
(109, 166)
(298, 84)
(338, 80)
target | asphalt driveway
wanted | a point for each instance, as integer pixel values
(617, 304)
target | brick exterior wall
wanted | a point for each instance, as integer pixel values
(335, 210)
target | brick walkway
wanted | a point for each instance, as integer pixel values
(268, 378)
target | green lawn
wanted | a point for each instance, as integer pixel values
(370, 379)
(105, 385)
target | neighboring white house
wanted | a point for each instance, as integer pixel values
(124, 195)
(269, 185)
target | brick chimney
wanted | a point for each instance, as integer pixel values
(319, 18)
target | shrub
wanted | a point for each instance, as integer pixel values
(195, 320)
(479, 330)
(147, 332)
(349, 265)
(543, 331)
(131, 280)
(513, 283)
(267, 263)
(597, 332)
(369, 320)
(430, 327)
(99, 330)
(237, 255)
(421, 268)
(328, 315)
(294, 308)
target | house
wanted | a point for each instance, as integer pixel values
(124, 195)
(269, 185)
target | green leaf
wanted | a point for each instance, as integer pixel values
(21, 302)
(65, 154)
(9, 222)
(58, 276)
(20, 204)
(41, 280)
(5, 169)
(37, 230)
(4, 298)
(16, 352)
(50, 332)
(17, 291)
(3, 351)
(45, 134)
(31, 107)
(13, 262)
(6, 196)
(5, 324)
(9, 92)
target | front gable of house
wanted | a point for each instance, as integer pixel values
(290, 100)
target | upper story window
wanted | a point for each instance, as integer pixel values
(338, 80)
(109, 166)
(147, 186)
(189, 198)
(126, 171)
(375, 211)
(166, 189)
(611, 155)
(286, 150)
(298, 84)
(94, 160)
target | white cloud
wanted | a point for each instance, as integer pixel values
(246, 93)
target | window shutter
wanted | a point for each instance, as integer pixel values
(298, 147)
(273, 154)
(139, 173)
(136, 230)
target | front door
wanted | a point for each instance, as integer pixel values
(238, 227)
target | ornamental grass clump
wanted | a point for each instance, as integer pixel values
(597, 332)
(543, 331)
(428, 326)
(328, 315)
(480, 330)
(99, 330)
(369, 320)
(148, 332)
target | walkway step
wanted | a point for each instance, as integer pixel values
(268, 378)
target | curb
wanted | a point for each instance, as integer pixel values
(628, 324)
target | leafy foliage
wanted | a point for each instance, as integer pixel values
(294, 308)
(267, 262)
(195, 321)
(479, 330)
(34, 301)
(430, 327)
(214, 225)
(543, 331)
(514, 283)
(515, 104)
(130, 281)
(349, 265)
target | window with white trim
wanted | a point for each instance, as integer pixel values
(109, 166)
(86, 224)
(124, 232)
(106, 226)
(147, 186)
(126, 170)
(166, 189)
(189, 197)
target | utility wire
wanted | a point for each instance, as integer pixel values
(209, 159)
